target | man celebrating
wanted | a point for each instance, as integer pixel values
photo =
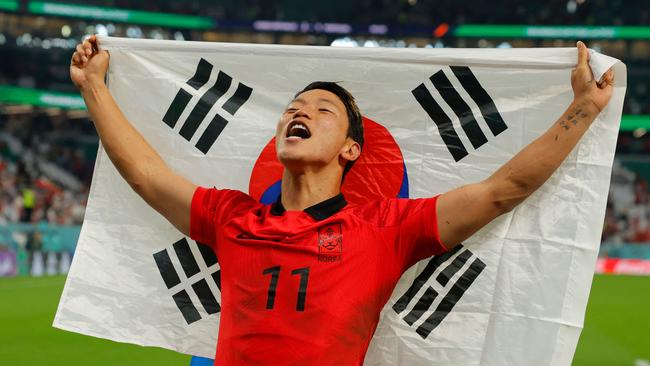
(304, 279)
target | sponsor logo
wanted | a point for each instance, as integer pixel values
(245, 236)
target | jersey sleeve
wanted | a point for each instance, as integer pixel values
(415, 222)
(212, 207)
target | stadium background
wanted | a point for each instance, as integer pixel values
(48, 145)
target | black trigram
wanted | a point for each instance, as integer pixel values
(191, 268)
(461, 109)
(205, 104)
(454, 290)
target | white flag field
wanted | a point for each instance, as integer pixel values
(514, 293)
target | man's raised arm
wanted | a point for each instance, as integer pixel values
(465, 210)
(138, 163)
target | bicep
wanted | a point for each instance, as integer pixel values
(463, 211)
(171, 195)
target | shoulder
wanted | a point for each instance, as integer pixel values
(392, 211)
(213, 194)
(222, 203)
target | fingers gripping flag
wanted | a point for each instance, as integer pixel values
(514, 293)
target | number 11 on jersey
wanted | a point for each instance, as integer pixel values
(273, 285)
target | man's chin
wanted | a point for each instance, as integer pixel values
(291, 159)
(296, 162)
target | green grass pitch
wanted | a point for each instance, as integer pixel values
(27, 308)
(617, 325)
(616, 328)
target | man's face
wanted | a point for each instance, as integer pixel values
(312, 131)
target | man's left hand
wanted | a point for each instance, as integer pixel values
(585, 87)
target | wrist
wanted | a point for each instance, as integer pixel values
(587, 105)
(92, 86)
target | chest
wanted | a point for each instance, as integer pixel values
(297, 265)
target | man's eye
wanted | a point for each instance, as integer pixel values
(324, 110)
(291, 110)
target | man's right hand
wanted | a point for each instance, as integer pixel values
(139, 164)
(88, 65)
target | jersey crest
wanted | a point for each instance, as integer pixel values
(330, 242)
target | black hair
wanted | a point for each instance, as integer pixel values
(355, 127)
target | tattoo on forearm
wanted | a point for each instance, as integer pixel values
(565, 125)
(573, 118)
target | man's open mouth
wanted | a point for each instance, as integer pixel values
(298, 130)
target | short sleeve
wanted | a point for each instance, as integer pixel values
(212, 207)
(416, 224)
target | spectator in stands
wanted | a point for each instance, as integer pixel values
(639, 213)
(611, 227)
(29, 202)
(33, 246)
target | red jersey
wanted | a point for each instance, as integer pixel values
(306, 287)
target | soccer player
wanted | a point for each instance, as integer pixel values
(304, 279)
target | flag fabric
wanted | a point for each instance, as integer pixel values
(514, 293)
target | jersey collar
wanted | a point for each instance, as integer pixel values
(319, 211)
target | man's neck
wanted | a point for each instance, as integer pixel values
(308, 188)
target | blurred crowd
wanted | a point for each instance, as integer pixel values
(627, 218)
(26, 63)
(420, 12)
(44, 169)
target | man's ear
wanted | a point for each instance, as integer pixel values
(351, 150)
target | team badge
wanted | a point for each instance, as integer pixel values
(330, 242)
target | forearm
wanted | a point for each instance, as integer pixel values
(533, 165)
(138, 163)
(464, 210)
(133, 157)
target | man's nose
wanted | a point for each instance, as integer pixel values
(303, 111)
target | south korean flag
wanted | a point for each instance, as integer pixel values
(434, 119)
